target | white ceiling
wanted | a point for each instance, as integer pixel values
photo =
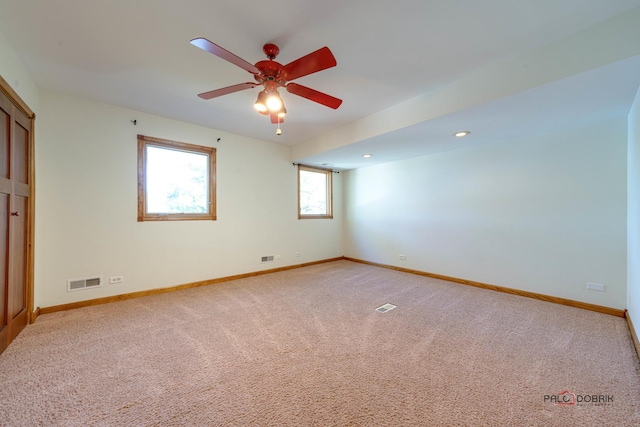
(136, 54)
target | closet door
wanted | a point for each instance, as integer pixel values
(14, 219)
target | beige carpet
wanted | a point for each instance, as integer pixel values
(306, 348)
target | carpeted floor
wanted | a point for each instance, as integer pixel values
(305, 347)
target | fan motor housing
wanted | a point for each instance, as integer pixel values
(268, 69)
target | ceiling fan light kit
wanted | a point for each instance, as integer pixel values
(274, 102)
(261, 103)
(272, 75)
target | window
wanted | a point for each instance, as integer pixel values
(176, 181)
(314, 192)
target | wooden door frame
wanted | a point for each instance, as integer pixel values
(22, 106)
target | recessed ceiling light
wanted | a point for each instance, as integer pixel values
(461, 133)
(366, 156)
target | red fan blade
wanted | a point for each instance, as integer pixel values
(227, 90)
(314, 95)
(316, 61)
(274, 118)
(218, 51)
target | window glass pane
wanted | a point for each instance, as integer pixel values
(176, 181)
(313, 193)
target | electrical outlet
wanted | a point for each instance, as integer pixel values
(298, 254)
(402, 256)
(277, 257)
(595, 287)
(116, 279)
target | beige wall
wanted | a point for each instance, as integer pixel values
(14, 73)
(86, 216)
(544, 214)
(633, 214)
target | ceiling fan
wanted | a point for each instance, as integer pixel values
(272, 75)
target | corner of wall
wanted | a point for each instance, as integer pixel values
(633, 212)
(634, 334)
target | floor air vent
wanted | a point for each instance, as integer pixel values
(267, 258)
(86, 283)
(385, 308)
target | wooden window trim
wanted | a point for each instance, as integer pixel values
(329, 174)
(143, 142)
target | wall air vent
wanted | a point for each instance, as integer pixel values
(85, 283)
(268, 258)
